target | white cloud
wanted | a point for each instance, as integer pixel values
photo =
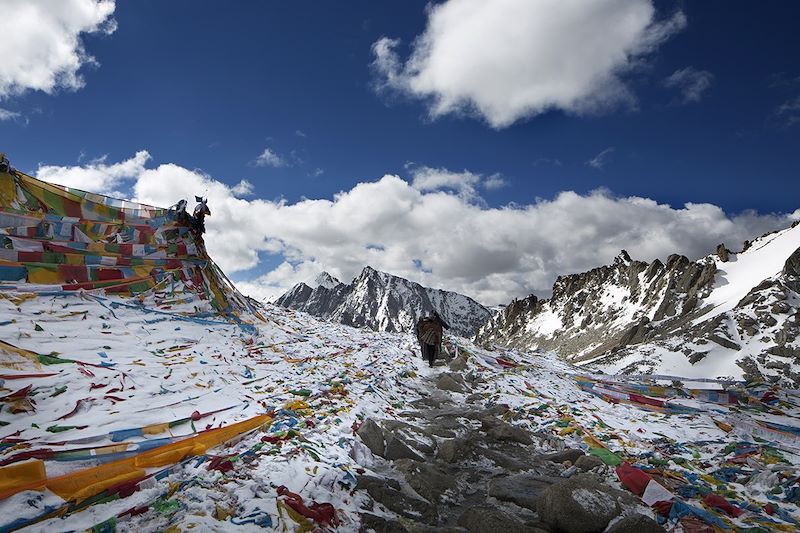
(97, 176)
(243, 188)
(601, 159)
(435, 179)
(495, 181)
(15, 116)
(507, 60)
(269, 158)
(492, 254)
(692, 83)
(465, 183)
(41, 47)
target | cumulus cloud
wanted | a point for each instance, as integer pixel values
(492, 254)
(269, 158)
(42, 50)
(465, 183)
(602, 159)
(243, 188)
(97, 176)
(507, 60)
(691, 83)
(495, 181)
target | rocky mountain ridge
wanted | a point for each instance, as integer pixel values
(727, 314)
(383, 302)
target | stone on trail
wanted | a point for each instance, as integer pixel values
(521, 489)
(388, 493)
(372, 435)
(379, 524)
(491, 520)
(580, 504)
(500, 431)
(587, 462)
(450, 450)
(568, 454)
(396, 448)
(427, 480)
(635, 523)
(450, 382)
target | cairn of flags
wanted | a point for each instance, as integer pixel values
(56, 239)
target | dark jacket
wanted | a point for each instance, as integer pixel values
(430, 330)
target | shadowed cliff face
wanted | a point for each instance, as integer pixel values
(383, 302)
(731, 313)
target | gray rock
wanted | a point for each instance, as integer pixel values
(635, 523)
(458, 364)
(371, 522)
(580, 504)
(521, 489)
(427, 480)
(504, 461)
(449, 383)
(723, 253)
(725, 343)
(387, 492)
(587, 462)
(451, 450)
(501, 431)
(489, 520)
(567, 454)
(371, 435)
(396, 449)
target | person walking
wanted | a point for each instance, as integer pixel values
(430, 331)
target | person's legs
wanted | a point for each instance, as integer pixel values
(430, 353)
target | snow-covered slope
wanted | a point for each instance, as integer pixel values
(728, 314)
(384, 302)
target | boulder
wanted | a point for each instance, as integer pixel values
(489, 520)
(396, 449)
(450, 450)
(635, 523)
(458, 364)
(427, 480)
(448, 382)
(587, 462)
(501, 431)
(387, 492)
(379, 524)
(580, 504)
(567, 454)
(372, 435)
(521, 489)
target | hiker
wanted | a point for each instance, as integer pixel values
(199, 215)
(429, 334)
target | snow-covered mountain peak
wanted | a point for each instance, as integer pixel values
(385, 302)
(726, 314)
(324, 279)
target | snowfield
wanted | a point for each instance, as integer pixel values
(142, 373)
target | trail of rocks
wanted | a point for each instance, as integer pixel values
(451, 464)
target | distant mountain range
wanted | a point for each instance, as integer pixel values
(383, 302)
(728, 314)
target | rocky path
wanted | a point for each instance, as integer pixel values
(451, 464)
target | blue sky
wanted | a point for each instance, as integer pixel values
(209, 86)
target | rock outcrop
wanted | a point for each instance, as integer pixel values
(638, 317)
